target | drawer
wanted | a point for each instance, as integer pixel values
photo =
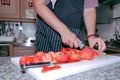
(20, 51)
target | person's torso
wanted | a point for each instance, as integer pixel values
(70, 12)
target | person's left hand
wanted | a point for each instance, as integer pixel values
(93, 41)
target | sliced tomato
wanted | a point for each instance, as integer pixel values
(87, 54)
(23, 60)
(95, 53)
(47, 58)
(50, 68)
(53, 55)
(64, 50)
(61, 57)
(40, 55)
(30, 60)
(74, 55)
(37, 59)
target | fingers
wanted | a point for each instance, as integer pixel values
(100, 43)
(70, 40)
(74, 43)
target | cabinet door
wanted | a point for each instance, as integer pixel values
(27, 11)
(9, 8)
(21, 51)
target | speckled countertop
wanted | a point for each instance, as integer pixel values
(9, 71)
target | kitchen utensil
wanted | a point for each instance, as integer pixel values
(69, 68)
(40, 64)
(81, 45)
(34, 65)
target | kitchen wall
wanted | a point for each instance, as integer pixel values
(107, 31)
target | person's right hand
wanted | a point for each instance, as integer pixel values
(70, 39)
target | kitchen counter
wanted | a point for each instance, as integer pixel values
(9, 71)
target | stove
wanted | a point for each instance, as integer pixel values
(113, 45)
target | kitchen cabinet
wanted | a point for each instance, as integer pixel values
(104, 14)
(9, 9)
(116, 11)
(27, 11)
(17, 10)
(23, 50)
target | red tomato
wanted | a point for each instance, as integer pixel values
(87, 54)
(64, 50)
(46, 68)
(73, 55)
(53, 55)
(61, 57)
(30, 60)
(95, 53)
(37, 59)
(40, 55)
(47, 58)
(23, 60)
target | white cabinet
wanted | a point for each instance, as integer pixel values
(104, 14)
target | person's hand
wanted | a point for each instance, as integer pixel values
(96, 41)
(70, 39)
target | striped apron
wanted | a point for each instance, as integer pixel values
(49, 40)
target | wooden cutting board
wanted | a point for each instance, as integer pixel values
(69, 68)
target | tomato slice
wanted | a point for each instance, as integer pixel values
(87, 54)
(30, 60)
(50, 68)
(37, 59)
(53, 55)
(74, 56)
(61, 57)
(47, 58)
(23, 60)
(95, 53)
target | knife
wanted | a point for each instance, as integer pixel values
(81, 45)
(34, 65)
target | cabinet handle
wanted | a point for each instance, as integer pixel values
(5, 2)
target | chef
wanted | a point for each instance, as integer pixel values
(59, 24)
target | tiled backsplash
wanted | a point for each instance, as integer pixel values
(28, 29)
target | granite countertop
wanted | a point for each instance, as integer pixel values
(9, 71)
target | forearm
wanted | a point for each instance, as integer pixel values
(48, 16)
(90, 20)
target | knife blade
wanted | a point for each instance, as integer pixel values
(34, 65)
(81, 45)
